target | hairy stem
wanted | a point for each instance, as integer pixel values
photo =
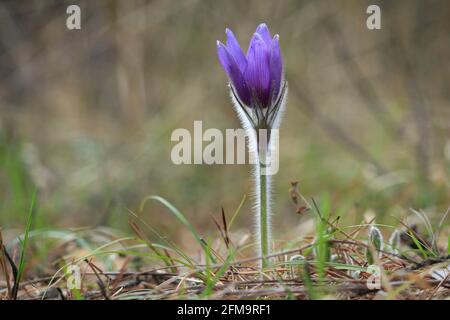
(263, 217)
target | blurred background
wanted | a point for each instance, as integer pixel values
(87, 115)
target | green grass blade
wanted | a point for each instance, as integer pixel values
(448, 245)
(213, 281)
(236, 213)
(182, 219)
(170, 244)
(23, 246)
(424, 251)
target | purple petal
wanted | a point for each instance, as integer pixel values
(235, 50)
(276, 68)
(263, 30)
(257, 72)
(234, 74)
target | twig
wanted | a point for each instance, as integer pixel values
(429, 262)
(438, 286)
(225, 228)
(101, 285)
(15, 272)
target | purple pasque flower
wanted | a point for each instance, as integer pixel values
(256, 79)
